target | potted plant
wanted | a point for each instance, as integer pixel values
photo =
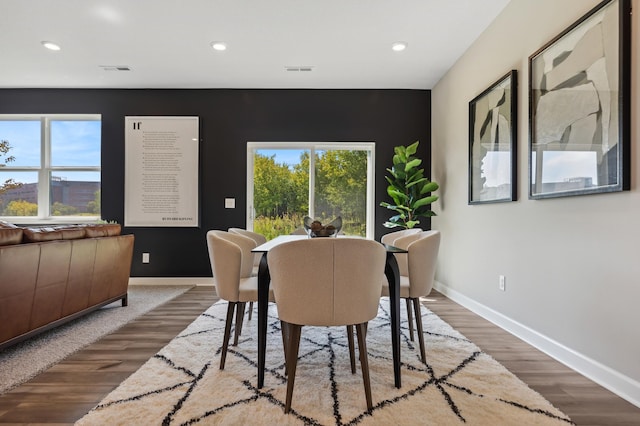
(409, 189)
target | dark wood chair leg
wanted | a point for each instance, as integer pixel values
(409, 318)
(361, 330)
(352, 356)
(418, 313)
(285, 340)
(125, 300)
(250, 310)
(227, 334)
(239, 321)
(292, 361)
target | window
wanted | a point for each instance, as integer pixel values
(287, 181)
(50, 168)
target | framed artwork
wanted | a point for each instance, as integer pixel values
(579, 106)
(492, 142)
(161, 171)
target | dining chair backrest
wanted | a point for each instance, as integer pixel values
(327, 281)
(421, 260)
(231, 260)
(392, 236)
(258, 238)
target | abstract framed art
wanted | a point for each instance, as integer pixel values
(579, 106)
(492, 142)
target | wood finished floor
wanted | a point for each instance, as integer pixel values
(65, 392)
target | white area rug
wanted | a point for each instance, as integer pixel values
(183, 385)
(25, 360)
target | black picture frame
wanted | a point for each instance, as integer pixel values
(579, 106)
(493, 142)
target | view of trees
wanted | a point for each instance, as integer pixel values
(20, 208)
(281, 192)
(8, 184)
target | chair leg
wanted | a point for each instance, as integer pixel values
(418, 313)
(227, 334)
(250, 310)
(239, 321)
(293, 346)
(285, 340)
(364, 362)
(352, 356)
(409, 318)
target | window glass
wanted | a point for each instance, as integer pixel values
(23, 138)
(323, 181)
(49, 167)
(75, 193)
(75, 143)
(18, 193)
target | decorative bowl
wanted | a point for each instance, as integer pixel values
(314, 228)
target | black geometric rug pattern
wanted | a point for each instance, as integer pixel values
(460, 384)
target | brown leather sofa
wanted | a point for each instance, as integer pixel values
(51, 275)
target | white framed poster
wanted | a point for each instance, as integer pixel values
(161, 171)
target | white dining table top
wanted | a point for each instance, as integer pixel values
(278, 240)
(263, 248)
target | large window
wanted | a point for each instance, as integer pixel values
(50, 168)
(287, 181)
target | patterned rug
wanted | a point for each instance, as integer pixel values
(182, 384)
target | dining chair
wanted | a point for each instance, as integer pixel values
(401, 258)
(392, 236)
(326, 282)
(299, 231)
(232, 263)
(259, 239)
(416, 274)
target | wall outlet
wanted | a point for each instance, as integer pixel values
(145, 257)
(229, 203)
(501, 284)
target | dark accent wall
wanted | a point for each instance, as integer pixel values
(229, 118)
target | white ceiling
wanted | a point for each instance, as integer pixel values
(166, 43)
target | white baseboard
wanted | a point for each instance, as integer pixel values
(197, 281)
(606, 377)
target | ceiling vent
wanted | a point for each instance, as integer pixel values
(115, 67)
(299, 68)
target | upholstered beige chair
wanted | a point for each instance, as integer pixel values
(417, 271)
(401, 258)
(326, 282)
(392, 236)
(259, 239)
(231, 263)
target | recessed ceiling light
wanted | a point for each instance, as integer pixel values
(218, 45)
(50, 45)
(399, 46)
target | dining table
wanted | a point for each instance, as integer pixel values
(264, 279)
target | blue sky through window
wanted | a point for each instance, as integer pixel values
(290, 157)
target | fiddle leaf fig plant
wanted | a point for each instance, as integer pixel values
(409, 189)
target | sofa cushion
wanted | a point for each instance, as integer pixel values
(72, 232)
(9, 234)
(45, 233)
(103, 230)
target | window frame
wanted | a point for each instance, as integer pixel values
(369, 147)
(45, 170)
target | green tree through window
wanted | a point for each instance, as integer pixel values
(283, 192)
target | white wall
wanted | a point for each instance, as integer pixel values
(572, 264)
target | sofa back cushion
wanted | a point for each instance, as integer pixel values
(103, 230)
(45, 233)
(9, 234)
